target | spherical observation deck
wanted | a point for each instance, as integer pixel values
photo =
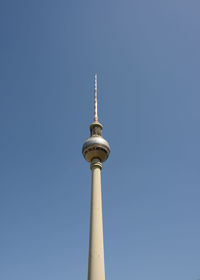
(96, 146)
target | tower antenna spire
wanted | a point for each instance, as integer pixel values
(95, 98)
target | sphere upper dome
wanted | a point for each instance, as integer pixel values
(96, 147)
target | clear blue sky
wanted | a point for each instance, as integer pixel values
(147, 56)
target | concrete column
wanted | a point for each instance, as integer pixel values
(96, 270)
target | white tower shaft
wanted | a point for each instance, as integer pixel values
(96, 269)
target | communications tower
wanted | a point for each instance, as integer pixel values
(96, 150)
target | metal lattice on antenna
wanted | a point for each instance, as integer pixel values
(95, 98)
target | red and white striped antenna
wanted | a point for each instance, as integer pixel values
(95, 98)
